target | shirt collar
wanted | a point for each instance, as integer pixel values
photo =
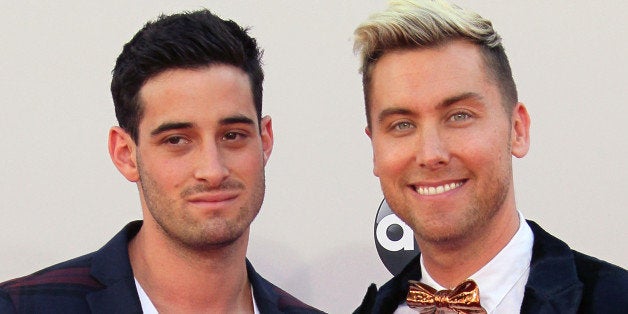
(501, 273)
(149, 308)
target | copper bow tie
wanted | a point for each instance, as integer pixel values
(463, 299)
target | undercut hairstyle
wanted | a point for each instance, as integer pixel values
(412, 24)
(188, 40)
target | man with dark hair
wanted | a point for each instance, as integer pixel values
(444, 122)
(187, 91)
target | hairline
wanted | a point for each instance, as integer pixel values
(139, 102)
(490, 72)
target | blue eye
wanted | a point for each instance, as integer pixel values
(403, 125)
(460, 116)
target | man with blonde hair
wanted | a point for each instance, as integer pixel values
(444, 121)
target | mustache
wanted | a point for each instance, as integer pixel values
(202, 188)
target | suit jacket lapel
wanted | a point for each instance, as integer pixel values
(395, 291)
(265, 298)
(120, 297)
(553, 285)
(111, 266)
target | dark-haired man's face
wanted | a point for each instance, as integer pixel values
(201, 155)
(442, 141)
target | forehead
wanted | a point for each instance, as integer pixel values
(199, 95)
(429, 72)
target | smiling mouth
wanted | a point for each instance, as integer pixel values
(439, 189)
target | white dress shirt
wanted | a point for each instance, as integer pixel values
(502, 280)
(149, 308)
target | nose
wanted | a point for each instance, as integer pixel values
(432, 152)
(210, 165)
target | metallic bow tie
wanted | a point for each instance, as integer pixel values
(463, 299)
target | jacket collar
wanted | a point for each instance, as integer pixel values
(265, 298)
(395, 291)
(553, 283)
(112, 268)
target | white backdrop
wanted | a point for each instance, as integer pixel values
(62, 196)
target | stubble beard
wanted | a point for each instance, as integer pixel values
(463, 224)
(178, 224)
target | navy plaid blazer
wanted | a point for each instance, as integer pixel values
(103, 282)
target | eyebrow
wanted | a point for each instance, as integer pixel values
(443, 104)
(454, 99)
(391, 112)
(167, 126)
(237, 120)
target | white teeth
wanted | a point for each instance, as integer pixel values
(434, 190)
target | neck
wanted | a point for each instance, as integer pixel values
(452, 262)
(179, 279)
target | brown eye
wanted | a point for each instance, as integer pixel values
(232, 136)
(176, 140)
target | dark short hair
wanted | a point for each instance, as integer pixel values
(186, 40)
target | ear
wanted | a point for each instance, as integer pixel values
(122, 150)
(520, 138)
(367, 130)
(267, 137)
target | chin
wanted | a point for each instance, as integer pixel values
(442, 233)
(212, 240)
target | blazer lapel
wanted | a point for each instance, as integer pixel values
(553, 285)
(395, 291)
(119, 297)
(111, 266)
(566, 301)
(266, 300)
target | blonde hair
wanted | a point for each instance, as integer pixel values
(408, 24)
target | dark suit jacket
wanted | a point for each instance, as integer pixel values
(561, 281)
(102, 282)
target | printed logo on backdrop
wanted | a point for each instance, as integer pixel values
(394, 240)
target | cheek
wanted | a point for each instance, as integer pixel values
(485, 151)
(168, 172)
(390, 160)
(247, 163)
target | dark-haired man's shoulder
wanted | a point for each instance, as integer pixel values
(41, 291)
